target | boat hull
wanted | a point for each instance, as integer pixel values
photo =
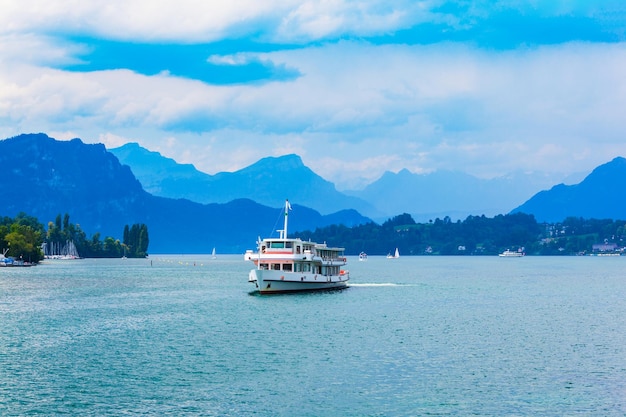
(276, 282)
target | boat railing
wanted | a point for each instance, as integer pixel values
(338, 258)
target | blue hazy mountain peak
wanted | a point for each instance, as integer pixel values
(269, 181)
(600, 195)
(136, 155)
(448, 193)
(290, 161)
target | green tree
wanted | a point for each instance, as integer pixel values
(112, 248)
(24, 243)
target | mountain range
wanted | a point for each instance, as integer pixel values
(449, 193)
(268, 182)
(43, 177)
(424, 196)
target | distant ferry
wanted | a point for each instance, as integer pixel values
(362, 256)
(290, 264)
(511, 254)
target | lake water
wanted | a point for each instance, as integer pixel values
(184, 335)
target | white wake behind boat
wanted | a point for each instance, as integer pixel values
(290, 264)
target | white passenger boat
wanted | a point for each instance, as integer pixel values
(290, 264)
(511, 254)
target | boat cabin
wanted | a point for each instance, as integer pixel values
(282, 255)
(286, 246)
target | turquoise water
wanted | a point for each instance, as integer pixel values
(183, 335)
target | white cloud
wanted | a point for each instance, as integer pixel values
(280, 21)
(233, 59)
(31, 48)
(134, 19)
(321, 19)
(111, 140)
(202, 21)
(356, 110)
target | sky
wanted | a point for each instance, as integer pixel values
(356, 88)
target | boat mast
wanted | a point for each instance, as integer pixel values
(287, 208)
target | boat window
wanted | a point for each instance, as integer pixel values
(276, 267)
(263, 266)
(287, 267)
(277, 245)
(288, 244)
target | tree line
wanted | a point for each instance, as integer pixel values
(25, 238)
(476, 235)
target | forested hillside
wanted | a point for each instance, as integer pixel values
(476, 235)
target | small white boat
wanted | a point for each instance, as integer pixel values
(395, 255)
(290, 264)
(4, 261)
(213, 256)
(362, 256)
(511, 254)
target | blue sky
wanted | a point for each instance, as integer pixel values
(355, 88)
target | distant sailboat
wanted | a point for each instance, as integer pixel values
(395, 255)
(213, 254)
(58, 250)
